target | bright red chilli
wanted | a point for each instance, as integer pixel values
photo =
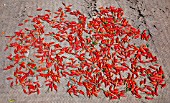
(94, 55)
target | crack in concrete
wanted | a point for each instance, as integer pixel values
(92, 7)
(140, 14)
(132, 7)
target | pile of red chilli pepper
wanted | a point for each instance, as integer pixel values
(94, 55)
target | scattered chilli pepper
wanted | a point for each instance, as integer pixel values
(11, 84)
(20, 24)
(9, 78)
(3, 33)
(39, 9)
(100, 55)
(149, 98)
(9, 67)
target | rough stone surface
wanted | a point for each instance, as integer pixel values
(152, 15)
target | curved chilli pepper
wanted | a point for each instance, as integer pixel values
(9, 67)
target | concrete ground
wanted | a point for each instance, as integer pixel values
(152, 15)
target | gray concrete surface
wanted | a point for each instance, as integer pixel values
(152, 15)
